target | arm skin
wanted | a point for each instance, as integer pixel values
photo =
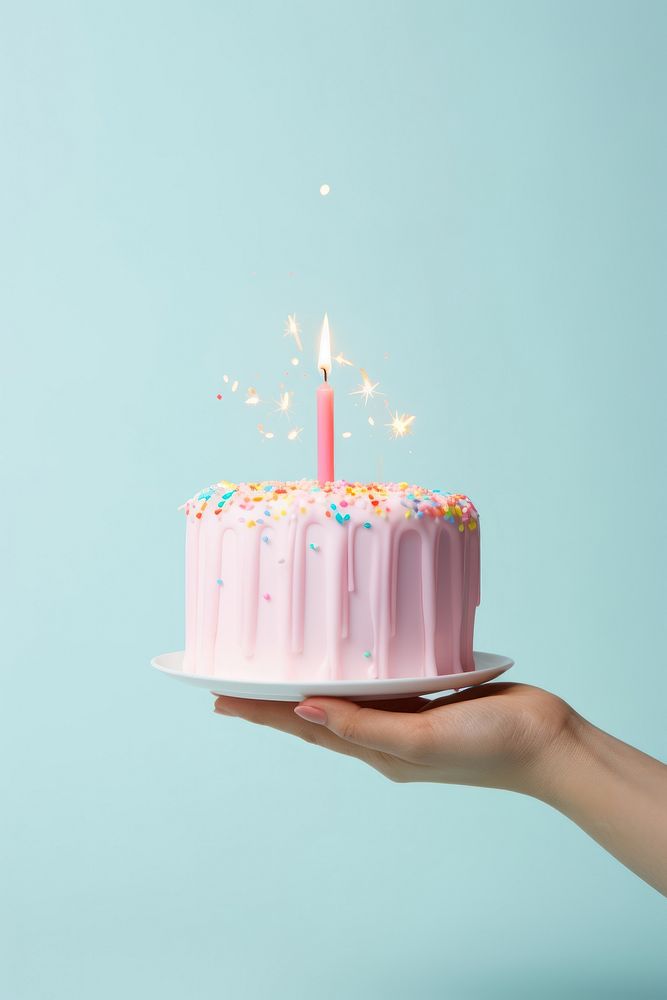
(509, 736)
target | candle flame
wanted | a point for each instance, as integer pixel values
(324, 359)
(401, 424)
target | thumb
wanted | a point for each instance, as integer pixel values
(398, 733)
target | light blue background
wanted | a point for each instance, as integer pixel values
(496, 224)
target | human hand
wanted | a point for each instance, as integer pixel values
(497, 735)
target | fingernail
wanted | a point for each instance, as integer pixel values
(311, 714)
(220, 709)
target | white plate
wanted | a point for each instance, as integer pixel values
(488, 666)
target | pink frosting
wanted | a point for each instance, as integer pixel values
(298, 581)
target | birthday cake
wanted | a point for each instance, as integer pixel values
(304, 581)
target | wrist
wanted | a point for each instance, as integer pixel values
(614, 792)
(566, 749)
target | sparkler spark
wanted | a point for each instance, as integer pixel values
(401, 424)
(367, 389)
(293, 329)
(283, 404)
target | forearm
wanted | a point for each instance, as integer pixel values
(617, 794)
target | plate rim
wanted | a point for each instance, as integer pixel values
(253, 689)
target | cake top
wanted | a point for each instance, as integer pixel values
(254, 503)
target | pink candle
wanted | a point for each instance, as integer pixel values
(325, 411)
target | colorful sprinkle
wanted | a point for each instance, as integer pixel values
(368, 654)
(314, 547)
(280, 499)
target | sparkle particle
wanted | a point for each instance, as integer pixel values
(293, 329)
(401, 424)
(283, 404)
(367, 389)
